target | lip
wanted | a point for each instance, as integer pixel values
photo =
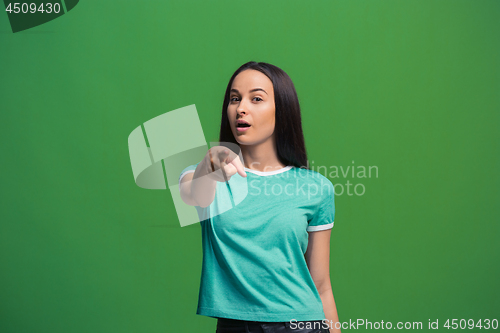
(241, 121)
(242, 129)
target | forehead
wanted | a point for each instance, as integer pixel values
(249, 79)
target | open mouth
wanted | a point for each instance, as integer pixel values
(241, 127)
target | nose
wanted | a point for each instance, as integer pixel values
(241, 109)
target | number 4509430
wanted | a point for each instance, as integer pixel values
(32, 8)
(470, 324)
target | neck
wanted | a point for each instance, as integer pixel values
(262, 156)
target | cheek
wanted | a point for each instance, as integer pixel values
(231, 115)
(269, 123)
(271, 119)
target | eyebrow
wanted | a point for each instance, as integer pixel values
(256, 89)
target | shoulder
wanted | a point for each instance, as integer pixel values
(315, 184)
(313, 177)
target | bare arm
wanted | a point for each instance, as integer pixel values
(318, 261)
(189, 187)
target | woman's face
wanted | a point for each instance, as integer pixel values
(251, 100)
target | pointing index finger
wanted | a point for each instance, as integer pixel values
(239, 166)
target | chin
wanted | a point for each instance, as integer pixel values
(246, 141)
(243, 141)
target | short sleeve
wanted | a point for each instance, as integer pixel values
(187, 170)
(324, 216)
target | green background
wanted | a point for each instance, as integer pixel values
(411, 87)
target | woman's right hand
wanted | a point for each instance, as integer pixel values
(221, 163)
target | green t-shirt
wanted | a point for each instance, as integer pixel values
(253, 253)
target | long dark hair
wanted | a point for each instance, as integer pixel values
(288, 125)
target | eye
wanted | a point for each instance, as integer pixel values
(233, 99)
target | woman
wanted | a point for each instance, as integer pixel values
(255, 276)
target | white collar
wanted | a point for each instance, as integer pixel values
(269, 173)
